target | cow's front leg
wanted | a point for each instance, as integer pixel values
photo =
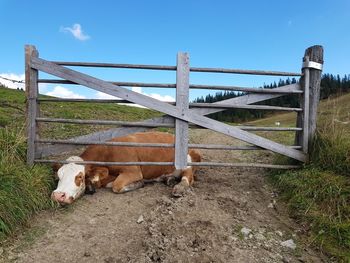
(129, 180)
(185, 183)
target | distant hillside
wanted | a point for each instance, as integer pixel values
(330, 85)
(12, 114)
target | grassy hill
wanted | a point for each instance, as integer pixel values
(12, 114)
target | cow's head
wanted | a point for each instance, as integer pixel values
(71, 184)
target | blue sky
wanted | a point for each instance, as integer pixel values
(270, 35)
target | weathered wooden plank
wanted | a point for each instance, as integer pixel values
(251, 107)
(117, 91)
(119, 83)
(47, 150)
(114, 65)
(31, 77)
(150, 124)
(192, 86)
(162, 67)
(105, 163)
(248, 99)
(83, 100)
(157, 145)
(106, 122)
(306, 110)
(182, 103)
(251, 165)
(315, 54)
(244, 71)
(191, 105)
(247, 89)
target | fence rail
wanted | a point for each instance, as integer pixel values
(159, 145)
(251, 165)
(183, 115)
(193, 69)
(296, 86)
(155, 124)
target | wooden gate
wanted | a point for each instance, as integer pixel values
(179, 115)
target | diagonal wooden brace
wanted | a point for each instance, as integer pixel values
(173, 111)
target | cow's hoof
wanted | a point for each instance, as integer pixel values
(180, 189)
(172, 180)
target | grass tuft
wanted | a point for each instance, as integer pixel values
(23, 190)
(319, 195)
(331, 147)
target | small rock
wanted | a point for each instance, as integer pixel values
(87, 254)
(271, 205)
(259, 236)
(289, 244)
(140, 220)
(286, 260)
(245, 231)
(279, 233)
(233, 238)
(262, 230)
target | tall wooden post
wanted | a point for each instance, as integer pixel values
(31, 81)
(311, 84)
(182, 103)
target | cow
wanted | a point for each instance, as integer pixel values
(75, 178)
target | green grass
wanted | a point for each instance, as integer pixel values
(319, 194)
(12, 112)
(23, 190)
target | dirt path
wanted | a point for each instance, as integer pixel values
(229, 216)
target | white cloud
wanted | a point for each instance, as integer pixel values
(12, 84)
(76, 31)
(137, 89)
(101, 95)
(63, 92)
(154, 95)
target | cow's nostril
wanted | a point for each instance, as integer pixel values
(59, 196)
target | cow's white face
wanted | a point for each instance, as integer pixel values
(71, 184)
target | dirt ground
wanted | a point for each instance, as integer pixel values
(230, 215)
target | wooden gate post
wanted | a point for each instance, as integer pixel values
(31, 82)
(311, 84)
(182, 103)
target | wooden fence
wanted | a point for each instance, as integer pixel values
(178, 115)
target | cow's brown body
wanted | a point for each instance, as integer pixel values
(126, 178)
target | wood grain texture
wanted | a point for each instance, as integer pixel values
(32, 109)
(182, 104)
(314, 53)
(214, 164)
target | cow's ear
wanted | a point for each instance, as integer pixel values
(79, 179)
(100, 172)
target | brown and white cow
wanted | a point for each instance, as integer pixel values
(74, 178)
